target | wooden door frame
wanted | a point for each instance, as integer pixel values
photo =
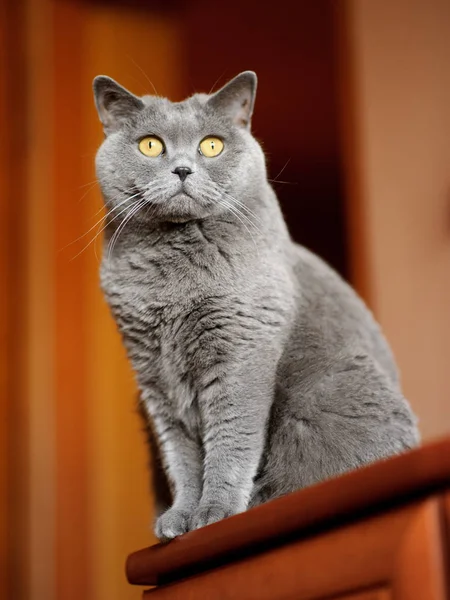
(14, 464)
(394, 108)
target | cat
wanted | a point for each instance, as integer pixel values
(259, 369)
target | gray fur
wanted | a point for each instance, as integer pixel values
(260, 369)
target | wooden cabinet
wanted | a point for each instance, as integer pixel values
(400, 551)
(378, 594)
(377, 534)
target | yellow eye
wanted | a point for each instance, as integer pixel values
(211, 146)
(151, 146)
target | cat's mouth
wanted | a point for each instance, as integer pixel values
(178, 204)
(182, 207)
(181, 195)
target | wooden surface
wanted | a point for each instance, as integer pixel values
(397, 548)
(420, 567)
(375, 594)
(446, 524)
(387, 483)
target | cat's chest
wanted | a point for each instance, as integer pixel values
(149, 276)
(160, 312)
(151, 294)
(159, 335)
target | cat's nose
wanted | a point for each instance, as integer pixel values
(182, 172)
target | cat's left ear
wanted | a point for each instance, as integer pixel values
(115, 105)
(237, 98)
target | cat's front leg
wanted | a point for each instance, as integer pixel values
(182, 460)
(234, 411)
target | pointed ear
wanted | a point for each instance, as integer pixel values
(237, 98)
(114, 103)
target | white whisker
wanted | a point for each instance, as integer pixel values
(143, 73)
(112, 200)
(140, 204)
(238, 215)
(100, 220)
(276, 176)
(236, 207)
(244, 207)
(220, 191)
(90, 188)
(233, 209)
(102, 229)
(152, 188)
(88, 183)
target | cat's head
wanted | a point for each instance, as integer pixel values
(178, 161)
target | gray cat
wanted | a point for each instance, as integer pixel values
(259, 368)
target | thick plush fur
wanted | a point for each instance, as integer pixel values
(260, 369)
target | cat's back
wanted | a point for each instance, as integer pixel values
(332, 317)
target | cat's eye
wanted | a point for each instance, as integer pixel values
(211, 146)
(151, 146)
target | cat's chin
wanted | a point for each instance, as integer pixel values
(182, 208)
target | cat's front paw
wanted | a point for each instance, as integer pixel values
(210, 513)
(172, 523)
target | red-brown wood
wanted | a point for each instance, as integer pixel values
(446, 522)
(419, 569)
(396, 480)
(378, 594)
(399, 550)
(293, 54)
(14, 505)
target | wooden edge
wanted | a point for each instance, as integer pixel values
(360, 556)
(419, 571)
(14, 417)
(446, 524)
(350, 144)
(395, 481)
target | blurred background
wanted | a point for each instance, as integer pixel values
(353, 113)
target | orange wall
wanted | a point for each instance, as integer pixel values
(85, 489)
(121, 503)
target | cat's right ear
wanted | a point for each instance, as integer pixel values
(114, 103)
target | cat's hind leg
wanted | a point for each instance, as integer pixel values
(346, 416)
